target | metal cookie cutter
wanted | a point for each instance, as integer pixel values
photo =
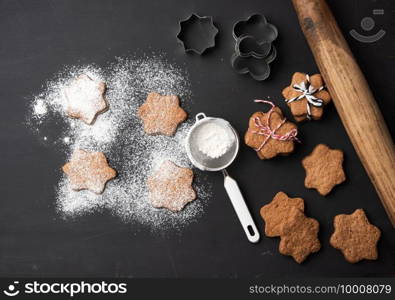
(247, 46)
(258, 68)
(253, 49)
(197, 34)
(257, 26)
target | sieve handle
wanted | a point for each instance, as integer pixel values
(241, 208)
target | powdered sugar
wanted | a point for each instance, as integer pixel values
(119, 134)
(214, 140)
(40, 108)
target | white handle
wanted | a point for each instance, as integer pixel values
(241, 209)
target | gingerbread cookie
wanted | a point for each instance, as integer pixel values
(161, 114)
(170, 187)
(85, 98)
(355, 237)
(277, 212)
(324, 169)
(306, 96)
(88, 171)
(299, 236)
(270, 134)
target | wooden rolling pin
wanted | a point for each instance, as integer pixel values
(353, 99)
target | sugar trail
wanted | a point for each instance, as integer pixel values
(119, 134)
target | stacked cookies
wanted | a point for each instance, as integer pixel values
(306, 96)
(284, 217)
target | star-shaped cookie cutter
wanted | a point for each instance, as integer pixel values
(197, 34)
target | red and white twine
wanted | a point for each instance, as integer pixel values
(265, 130)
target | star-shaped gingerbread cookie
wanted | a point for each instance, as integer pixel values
(170, 186)
(88, 171)
(306, 96)
(355, 237)
(277, 212)
(266, 131)
(299, 236)
(324, 169)
(161, 114)
(85, 98)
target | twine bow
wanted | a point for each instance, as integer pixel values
(265, 130)
(308, 92)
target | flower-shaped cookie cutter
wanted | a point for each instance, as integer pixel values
(247, 46)
(257, 26)
(254, 50)
(258, 68)
(197, 34)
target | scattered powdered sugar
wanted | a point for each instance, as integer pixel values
(119, 134)
(214, 140)
(40, 108)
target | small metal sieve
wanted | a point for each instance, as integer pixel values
(205, 163)
(199, 159)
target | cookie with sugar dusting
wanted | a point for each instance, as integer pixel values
(161, 114)
(170, 186)
(277, 212)
(88, 171)
(299, 236)
(355, 236)
(85, 98)
(324, 169)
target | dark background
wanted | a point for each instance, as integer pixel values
(38, 38)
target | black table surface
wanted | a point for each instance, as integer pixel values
(38, 38)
